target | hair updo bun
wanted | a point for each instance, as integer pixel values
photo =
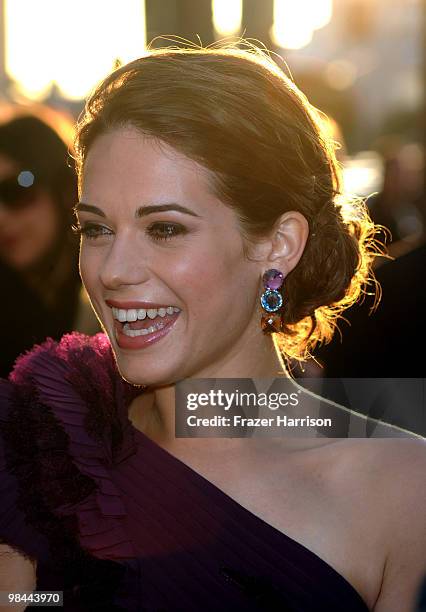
(234, 111)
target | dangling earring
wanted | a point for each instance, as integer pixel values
(271, 301)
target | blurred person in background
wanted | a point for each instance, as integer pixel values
(400, 204)
(41, 287)
(380, 339)
(383, 342)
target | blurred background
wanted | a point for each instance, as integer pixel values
(360, 61)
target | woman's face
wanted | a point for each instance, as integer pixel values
(183, 266)
(27, 232)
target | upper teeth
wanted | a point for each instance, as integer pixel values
(133, 314)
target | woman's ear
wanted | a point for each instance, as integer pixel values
(288, 241)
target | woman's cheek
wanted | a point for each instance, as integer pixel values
(88, 267)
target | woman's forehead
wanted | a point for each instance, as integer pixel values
(128, 153)
(126, 165)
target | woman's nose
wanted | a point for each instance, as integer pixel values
(123, 265)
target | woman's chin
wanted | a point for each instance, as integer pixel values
(148, 375)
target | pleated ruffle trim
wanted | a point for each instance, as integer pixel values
(67, 427)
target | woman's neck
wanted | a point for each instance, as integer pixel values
(153, 412)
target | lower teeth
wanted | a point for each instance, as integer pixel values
(142, 332)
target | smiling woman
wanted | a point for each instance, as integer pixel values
(215, 243)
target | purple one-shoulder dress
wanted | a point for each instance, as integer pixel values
(115, 521)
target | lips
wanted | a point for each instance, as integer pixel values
(141, 341)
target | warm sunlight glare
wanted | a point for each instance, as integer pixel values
(72, 44)
(296, 21)
(363, 174)
(227, 16)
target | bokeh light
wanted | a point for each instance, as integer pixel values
(227, 16)
(85, 42)
(296, 21)
(341, 74)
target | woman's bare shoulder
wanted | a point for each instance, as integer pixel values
(380, 485)
(372, 480)
(376, 490)
(367, 461)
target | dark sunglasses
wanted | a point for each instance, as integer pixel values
(17, 193)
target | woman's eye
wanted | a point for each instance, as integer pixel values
(165, 231)
(90, 230)
(157, 231)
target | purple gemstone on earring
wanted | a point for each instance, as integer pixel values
(273, 279)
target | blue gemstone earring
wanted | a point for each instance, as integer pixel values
(271, 300)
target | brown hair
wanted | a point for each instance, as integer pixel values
(236, 112)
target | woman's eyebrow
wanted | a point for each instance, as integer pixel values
(142, 211)
(80, 206)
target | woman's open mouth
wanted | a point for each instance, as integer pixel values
(138, 328)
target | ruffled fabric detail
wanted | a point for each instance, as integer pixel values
(14, 529)
(69, 427)
(28, 448)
